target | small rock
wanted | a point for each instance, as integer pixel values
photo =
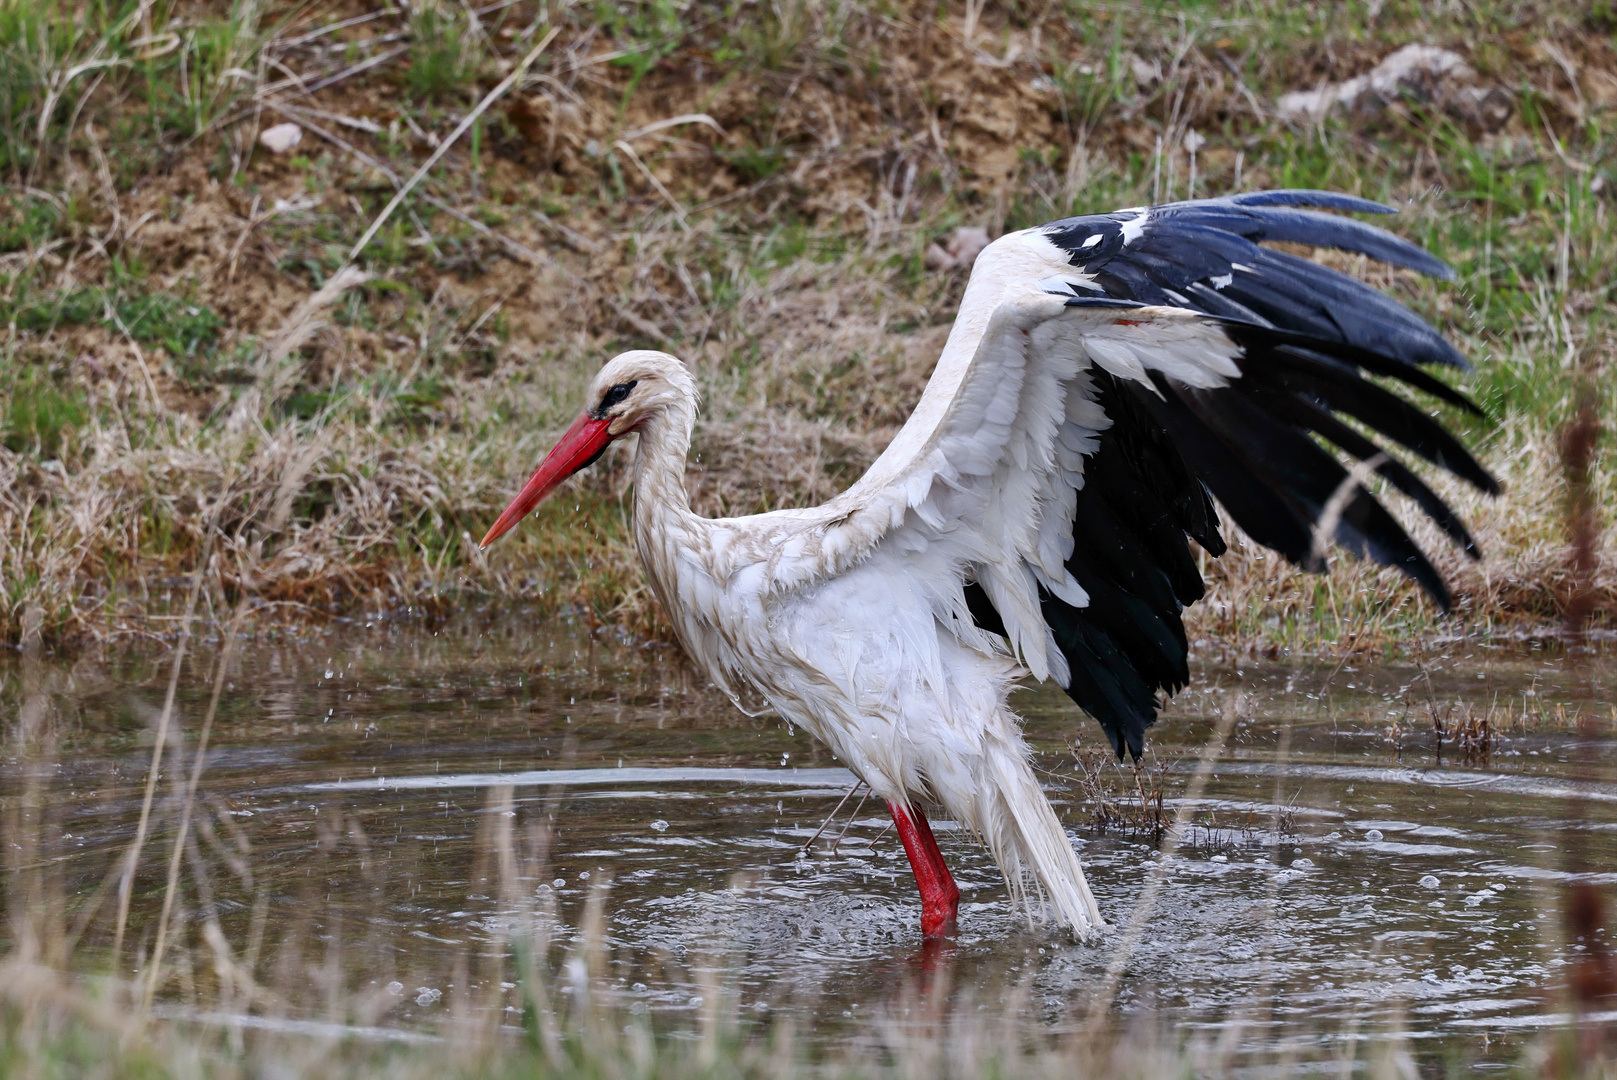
(1422, 72)
(962, 249)
(280, 138)
(1146, 73)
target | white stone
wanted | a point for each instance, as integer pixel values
(280, 138)
(1408, 67)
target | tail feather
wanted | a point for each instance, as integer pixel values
(1014, 819)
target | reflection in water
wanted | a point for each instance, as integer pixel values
(384, 809)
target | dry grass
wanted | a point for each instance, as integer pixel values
(753, 191)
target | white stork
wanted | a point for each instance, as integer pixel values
(1105, 379)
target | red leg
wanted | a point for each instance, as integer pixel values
(940, 896)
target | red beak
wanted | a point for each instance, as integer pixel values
(582, 444)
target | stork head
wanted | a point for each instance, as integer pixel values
(631, 391)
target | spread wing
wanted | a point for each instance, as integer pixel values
(1105, 377)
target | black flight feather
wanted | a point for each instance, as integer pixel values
(1309, 337)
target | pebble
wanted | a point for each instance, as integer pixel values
(278, 140)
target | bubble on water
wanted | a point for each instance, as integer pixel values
(1496, 886)
(396, 988)
(583, 875)
(558, 883)
(330, 674)
(426, 995)
(1302, 864)
(1429, 882)
(1373, 834)
(659, 825)
(1220, 858)
(696, 1001)
(1287, 875)
(1478, 897)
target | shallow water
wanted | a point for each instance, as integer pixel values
(1340, 876)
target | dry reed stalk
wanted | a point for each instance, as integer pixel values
(127, 880)
(227, 654)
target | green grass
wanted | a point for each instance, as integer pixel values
(39, 413)
(186, 330)
(445, 57)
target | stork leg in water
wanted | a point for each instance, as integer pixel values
(1107, 377)
(940, 896)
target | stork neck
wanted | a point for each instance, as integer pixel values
(659, 464)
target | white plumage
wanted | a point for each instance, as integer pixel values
(853, 618)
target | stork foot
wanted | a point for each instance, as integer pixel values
(940, 896)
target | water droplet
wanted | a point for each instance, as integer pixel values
(660, 825)
(330, 674)
(1429, 882)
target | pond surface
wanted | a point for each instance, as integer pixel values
(384, 806)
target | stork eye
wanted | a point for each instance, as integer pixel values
(616, 395)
